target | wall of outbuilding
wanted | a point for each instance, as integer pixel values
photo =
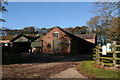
(76, 45)
(47, 41)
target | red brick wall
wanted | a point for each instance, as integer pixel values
(48, 40)
(76, 46)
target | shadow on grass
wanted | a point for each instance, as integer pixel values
(46, 58)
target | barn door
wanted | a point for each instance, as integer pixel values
(55, 45)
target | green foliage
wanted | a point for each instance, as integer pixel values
(88, 68)
(2, 8)
(29, 30)
(77, 29)
(103, 23)
(114, 30)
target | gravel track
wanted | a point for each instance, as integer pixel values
(41, 70)
(44, 70)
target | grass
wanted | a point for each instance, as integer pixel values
(88, 68)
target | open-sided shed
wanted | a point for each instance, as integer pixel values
(22, 43)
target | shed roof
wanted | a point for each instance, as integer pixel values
(28, 37)
(9, 37)
(82, 36)
(86, 36)
(71, 35)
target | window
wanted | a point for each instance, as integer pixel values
(55, 34)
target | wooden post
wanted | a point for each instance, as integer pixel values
(97, 56)
(114, 56)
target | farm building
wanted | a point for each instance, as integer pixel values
(5, 40)
(36, 45)
(60, 41)
(5, 43)
(22, 43)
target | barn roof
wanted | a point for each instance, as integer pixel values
(86, 36)
(9, 37)
(26, 36)
(72, 35)
(82, 36)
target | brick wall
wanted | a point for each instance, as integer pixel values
(48, 41)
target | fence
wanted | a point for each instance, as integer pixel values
(111, 59)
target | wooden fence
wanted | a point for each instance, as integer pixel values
(111, 59)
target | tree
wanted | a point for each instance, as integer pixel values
(114, 30)
(95, 26)
(29, 30)
(43, 29)
(106, 11)
(84, 30)
(13, 32)
(77, 28)
(4, 31)
(49, 29)
(70, 29)
(2, 8)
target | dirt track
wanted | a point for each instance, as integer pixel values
(40, 70)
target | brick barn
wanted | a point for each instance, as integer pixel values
(60, 41)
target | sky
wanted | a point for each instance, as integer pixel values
(47, 14)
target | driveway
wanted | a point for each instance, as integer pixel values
(45, 66)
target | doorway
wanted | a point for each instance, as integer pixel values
(55, 45)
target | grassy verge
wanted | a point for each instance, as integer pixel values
(88, 68)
